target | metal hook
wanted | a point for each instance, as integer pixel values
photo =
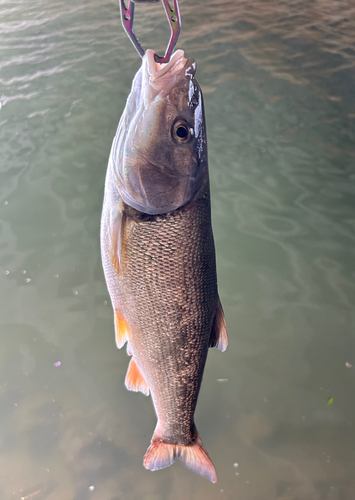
(174, 18)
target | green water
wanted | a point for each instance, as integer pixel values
(279, 87)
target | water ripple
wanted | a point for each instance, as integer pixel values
(278, 80)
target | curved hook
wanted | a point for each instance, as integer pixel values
(174, 19)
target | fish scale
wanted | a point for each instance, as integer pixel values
(163, 265)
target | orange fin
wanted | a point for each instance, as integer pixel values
(194, 456)
(219, 337)
(134, 380)
(121, 329)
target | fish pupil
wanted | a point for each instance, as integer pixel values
(182, 132)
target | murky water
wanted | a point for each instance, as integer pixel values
(278, 79)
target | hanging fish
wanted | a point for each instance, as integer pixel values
(158, 253)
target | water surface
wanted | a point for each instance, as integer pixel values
(279, 86)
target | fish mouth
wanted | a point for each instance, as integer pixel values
(158, 70)
(162, 77)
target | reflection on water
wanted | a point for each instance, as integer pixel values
(278, 79)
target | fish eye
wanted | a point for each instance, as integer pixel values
(182, 132)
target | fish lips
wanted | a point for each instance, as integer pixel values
(159, 79)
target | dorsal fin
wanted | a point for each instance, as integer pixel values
(134, 380)
(219, 337)
(121, 330)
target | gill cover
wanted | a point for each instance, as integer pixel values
(159, 154)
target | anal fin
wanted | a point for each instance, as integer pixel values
(134, 380)
(121, 330)
(219, 337)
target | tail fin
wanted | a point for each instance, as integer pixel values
(194, 456)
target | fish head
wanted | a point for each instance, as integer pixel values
(160, 150)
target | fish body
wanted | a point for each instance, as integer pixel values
(158, 253)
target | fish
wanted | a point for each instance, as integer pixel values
(158, 253)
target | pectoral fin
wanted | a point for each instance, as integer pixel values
(116, 231)
(219, 337)
(134, 380)
(121, 330)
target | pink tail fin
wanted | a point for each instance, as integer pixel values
(194, 456)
